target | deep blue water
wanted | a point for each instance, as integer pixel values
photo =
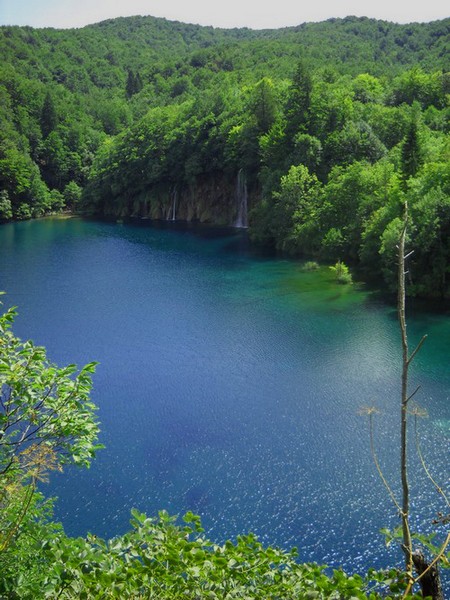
(229, 384)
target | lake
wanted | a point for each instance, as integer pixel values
(229, 384)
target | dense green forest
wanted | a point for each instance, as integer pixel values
(325, 129)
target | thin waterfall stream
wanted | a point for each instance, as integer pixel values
(241, 201)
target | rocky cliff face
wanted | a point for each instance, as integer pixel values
(217, 200)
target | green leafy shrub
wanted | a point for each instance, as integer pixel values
(342, 273)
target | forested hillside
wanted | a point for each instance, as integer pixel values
(314, 136)
(323, 130)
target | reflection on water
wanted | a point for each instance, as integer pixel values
(229, 384)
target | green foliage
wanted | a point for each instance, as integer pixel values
(307, 151)
(389, 251)
(5, 205)
(134, 83)
(411, 157)
(333, 243)
(49, 119)
(134, 111)
(368, 89)
(356, 141)
(46, 410)
(57, 201)
(46, 420)
(20, 179)
(429, 197)
(163, 559)
(298, 101)
(341, 273)
(289, 215)
(23, 558)
(264, 104)
(415, 85)
(72, 194)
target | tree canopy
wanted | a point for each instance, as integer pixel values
(118, 118)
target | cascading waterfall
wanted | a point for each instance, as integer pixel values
(172, 211)
(241, 200)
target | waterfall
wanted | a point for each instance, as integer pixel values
(241, 201)
(172, 210)
(174, 204)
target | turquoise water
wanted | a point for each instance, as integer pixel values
(229, 384)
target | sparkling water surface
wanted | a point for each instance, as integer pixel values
(229, 384)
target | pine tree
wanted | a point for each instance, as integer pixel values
(134, 83)
(138, 85)
(298, 102)
(49, 118)
(131, 84)
(411, 158)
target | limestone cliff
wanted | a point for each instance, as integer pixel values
(218, 199)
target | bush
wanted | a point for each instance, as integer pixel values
(342, 273)
(310, 265)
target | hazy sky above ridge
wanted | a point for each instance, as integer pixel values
(256, 14)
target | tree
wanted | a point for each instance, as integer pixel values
(161, 558)
(307, 151)
(354, 142)
(351, 195)
(290, 215)
(72, 194)
(46, 420)
(134, 83)
(367, 88)
(130, 85)
(5, 205)
(298, 102)
(417, 86)
(55, 161)
(427, 571)
(20, 178)
(429, 199)
(45, 410)
(49, 119)
(411, 157)
(263, 104)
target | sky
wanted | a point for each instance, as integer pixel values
(257, 14)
